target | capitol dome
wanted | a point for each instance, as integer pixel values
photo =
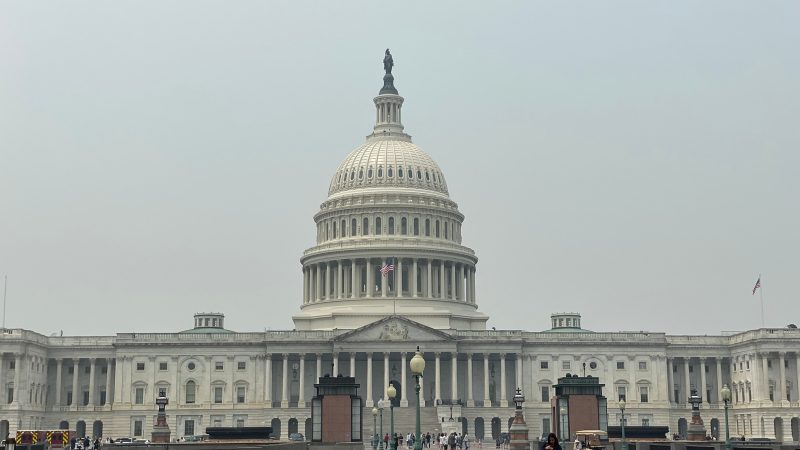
(388, 238)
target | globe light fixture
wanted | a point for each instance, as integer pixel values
(725, 393)
(417, 368)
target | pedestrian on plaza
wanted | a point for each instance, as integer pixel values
(551, 443)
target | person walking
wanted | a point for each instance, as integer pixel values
(551, 443)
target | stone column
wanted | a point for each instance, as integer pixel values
(327, 288)
(782, 384)
(369, 380)
(268, 380)
(454, 377)
(285, 382)
(453, 282)
(92, 368)
(305, 285)
(109, 397)
(503, 401)
(404, 378)
(335, 362)
(460, 284)
(340, 280)
(470, 399)
(487, 401)
(353, 280)
(438, 379)
(386, 375)
(59, 370)
(370, 283)
(318, 284)
(467, 291)
(429, 280)
(702, 391)
(474, 291)
(670, 381)
(75, 371)
(717, 399)
(687, 380)
(797, 372)
(519, 371)
(765, 369)
(119, 371)
(413, 281)
(442, 281)
(301, 397)
(353, 364)
(398, 279)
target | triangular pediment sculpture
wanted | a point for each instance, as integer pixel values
(394, 329)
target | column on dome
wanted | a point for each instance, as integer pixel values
(413, 281)
(285, 382)
(718, 387)
(328, 268)
(453, 282)
(454, 377)
(318, 283)
(503, 401)
(339, 280)
(474, 292)
(369, 379)
(59, 370)
(438, 381)
(467, 292)
(460, 284)
(470, 399)
(487, 401)
(92, 373)
(370, 285)
(301, 391)
(442, 281)
(353, 280)
(268, 380)
(429, 279)
(398, 279)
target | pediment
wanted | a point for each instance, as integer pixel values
(394, 329)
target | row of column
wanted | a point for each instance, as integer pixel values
(703, 391)
(751, 372)
(75, 364)
(425, 278)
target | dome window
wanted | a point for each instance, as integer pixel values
(410, 173)
(437, 229)
(353, 227)
(334, 230)
(360, 174)
(378, 226)
(445, 230)
(352, 174)
(380, 171)
(389, 172)
(365, 227)
(419, 174)
(428, 227)
(344, 228)
(400, 172)
(403, 226)
(427, 176)
(416, 226)
(391, 225)
(369, 172)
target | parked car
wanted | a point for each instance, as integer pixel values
(123, 440)
(296, 437)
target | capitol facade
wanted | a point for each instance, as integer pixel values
(389, 207)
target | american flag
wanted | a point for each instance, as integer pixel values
(758, 285)
(386, 268)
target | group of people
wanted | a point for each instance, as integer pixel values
(85, 443)
(443, 441)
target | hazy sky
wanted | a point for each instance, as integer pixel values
(636, 162)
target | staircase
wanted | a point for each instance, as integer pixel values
(405, 420)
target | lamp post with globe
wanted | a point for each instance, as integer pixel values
(392, 392)
(622, 422)
(726, 398)
(417, 367)
(381, 445)
(375, 437)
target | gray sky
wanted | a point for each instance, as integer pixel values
(636, 162)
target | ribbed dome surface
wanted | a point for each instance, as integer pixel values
(388, 163)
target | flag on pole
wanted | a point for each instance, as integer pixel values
(387, 267)
(757, 286)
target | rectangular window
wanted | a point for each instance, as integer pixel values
(102, 397)
(620, 365)
(241, 365)
(643, 394)
(69, 398)
(645, 422)
(85, 398)
(13, 364)
(139, 366)
(137, 428)
(545, 393)
(565, 365)
(162, 366)
(772, 393)
(542, 365)
(545, 425)
(769, 364)
(240, 423)
(139, 399)
(240, 394)
(219, 365)
(642, 365)
(188, 428)
(10, 396)
(620, 393)
(218, 394)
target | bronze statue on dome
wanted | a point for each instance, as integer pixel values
(388, 62)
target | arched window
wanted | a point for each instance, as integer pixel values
(391, 225)
(400, 172)
(427, 176)
(419, 174)
(410, 173)
(353, 227)
(360, 174)
(437, 228)
(334, 230)
(446, 228)
(378, 225)
(380, 172)
(369, 172)
(389, 172)
(403, 226)
(352, 174)
(344, 228)
(327, 230)
(416, 226)
(190, 391)
(365, 227)
(427, 227)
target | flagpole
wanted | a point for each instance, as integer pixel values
(761, 295)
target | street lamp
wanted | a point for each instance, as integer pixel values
(381, 445)
(417, 367)
(375, 436)
(564, 423)
(392, 392)
(622, 423)
(726, 398)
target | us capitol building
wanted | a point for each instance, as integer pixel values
(389, 203)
